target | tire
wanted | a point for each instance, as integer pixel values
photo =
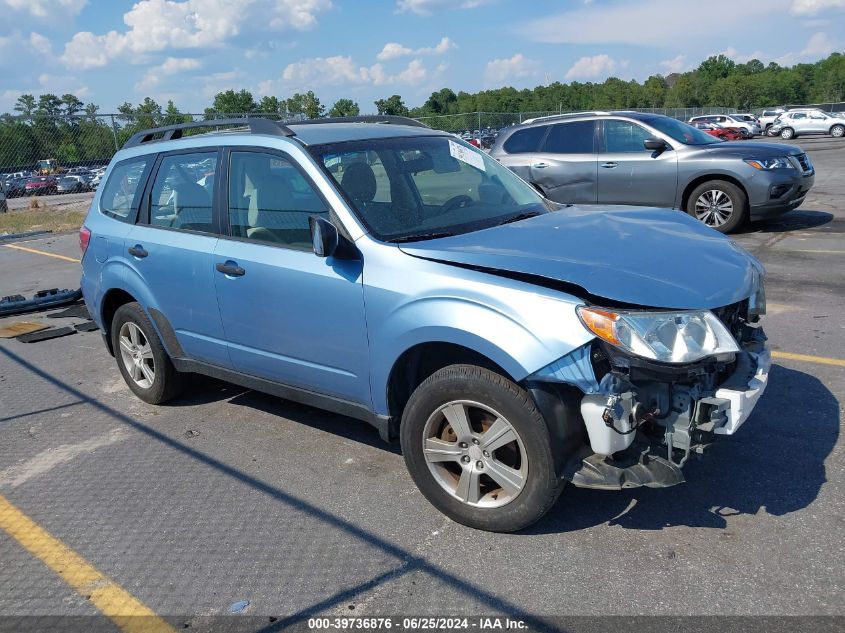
(153, 379)
(719, 204)
(441, 458)
(787, 133)
(837, 131)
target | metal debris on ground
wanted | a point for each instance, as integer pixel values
(45, 335)
(16, 328)
(238, 607)
(41, 300)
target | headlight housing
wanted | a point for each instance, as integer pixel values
(668, 337)
(768, 164)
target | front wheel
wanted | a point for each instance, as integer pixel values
(720, 205)
(787, 133)
(479, 450)
(837, 131)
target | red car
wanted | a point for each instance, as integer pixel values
(724, 133)
(41, 185)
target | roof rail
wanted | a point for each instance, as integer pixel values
(564, 115)
(170, 132)
(391, 119)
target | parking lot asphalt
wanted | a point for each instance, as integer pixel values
(64, 199)
(228, 495)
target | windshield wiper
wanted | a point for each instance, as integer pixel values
(419, 237)
(519, 216)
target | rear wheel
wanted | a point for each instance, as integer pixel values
(479, 450)
(141, 357)
(787, 133)
(720, 205)
(837, 131)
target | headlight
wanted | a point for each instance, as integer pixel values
(767, 164)
(668, 337)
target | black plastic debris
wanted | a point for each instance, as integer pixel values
(8, 237)
(46, 335)
(43, 299)
(78, 311)
(88, 326)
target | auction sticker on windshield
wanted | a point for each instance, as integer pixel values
(467, 156)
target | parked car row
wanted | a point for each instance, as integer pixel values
(797, 122)
(75, 180)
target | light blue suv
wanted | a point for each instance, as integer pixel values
(377, 268)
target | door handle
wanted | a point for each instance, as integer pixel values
(231, 269)
(138, 251)
(609, 165)
(540, 165)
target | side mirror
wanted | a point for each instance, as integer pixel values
(654, 144)
(324, 236)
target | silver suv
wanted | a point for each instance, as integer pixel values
(791, 124)
(651, 160)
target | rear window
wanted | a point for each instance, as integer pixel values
(571, 138)
(120, 197)
(526, 140)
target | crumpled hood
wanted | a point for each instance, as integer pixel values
(650, 257)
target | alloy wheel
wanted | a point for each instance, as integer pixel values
(137, 355)
(475, 454)
(714, 207)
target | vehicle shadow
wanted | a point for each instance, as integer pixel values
(797, 220)
(774, 462)
(206, 390)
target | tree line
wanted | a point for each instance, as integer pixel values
(65, 128)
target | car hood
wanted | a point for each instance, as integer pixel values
(755, 149)
(646, 257)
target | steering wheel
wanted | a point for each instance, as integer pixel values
(456, 202)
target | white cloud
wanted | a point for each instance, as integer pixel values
(169, 67)
(592, 67)
(393, 50)
(675, 65)
(45, 8)
(40, 44)
(814, 7)
(343, 70)
(158, 25)
(427, 7)
(818, 45)
(499, 71)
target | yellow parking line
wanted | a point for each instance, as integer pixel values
(109, 598)
(822, 360)
(37, 252)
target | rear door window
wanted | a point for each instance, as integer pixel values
(182, 192)
(525, 141)
(577, 137)
(122, 192)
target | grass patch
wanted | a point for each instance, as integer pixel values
(43, 218)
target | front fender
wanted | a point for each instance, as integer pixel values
(519, 326)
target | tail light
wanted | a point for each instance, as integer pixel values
(84, 238)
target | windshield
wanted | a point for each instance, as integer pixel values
(680, 131)
(422, 187)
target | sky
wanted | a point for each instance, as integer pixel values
(111, 51)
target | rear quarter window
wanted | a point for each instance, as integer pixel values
(525, 141)
(121, 193)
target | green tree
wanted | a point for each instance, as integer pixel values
(344, 107)
(172, 115)
(72, 104)
(230, 102)
(311, 106)
(270, 105)
(441, 102)
(26, 105)
(49, 105)
(392, 105)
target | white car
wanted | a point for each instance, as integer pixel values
(728, 120)
(798, 122)
(768, 118)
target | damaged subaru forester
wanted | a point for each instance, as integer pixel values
(389, 272)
